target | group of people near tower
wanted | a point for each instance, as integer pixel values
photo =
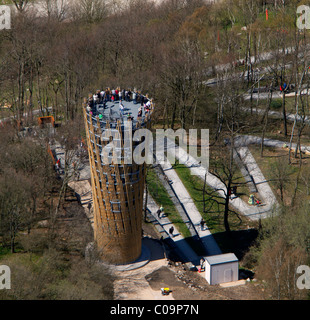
(101, 97)
(113, 95)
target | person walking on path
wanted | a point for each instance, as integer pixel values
(234, 191)
(58, 163)
(158, 213)
(171, 230)
(202, 224)
(251, 199)
(121, 107)
(202, 265)
(57, 167)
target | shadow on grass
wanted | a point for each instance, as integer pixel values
(238, 242)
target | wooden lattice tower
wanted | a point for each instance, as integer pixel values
(117, 191)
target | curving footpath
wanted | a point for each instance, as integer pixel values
(252, 212)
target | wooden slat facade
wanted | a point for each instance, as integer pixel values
(117, 191)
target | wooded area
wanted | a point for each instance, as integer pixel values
(206, 66)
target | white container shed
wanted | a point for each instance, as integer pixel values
(221, 268)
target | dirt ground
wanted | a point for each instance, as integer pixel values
(145, 283)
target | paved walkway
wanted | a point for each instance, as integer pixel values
(176, 201)
(268, 198)
(184, 197)
(245, 171)
(248, 139)
(252, 212)
(278, 115)
(163, 225)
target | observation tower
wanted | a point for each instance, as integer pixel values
(117, 181)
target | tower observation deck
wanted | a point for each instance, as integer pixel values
(117, 183)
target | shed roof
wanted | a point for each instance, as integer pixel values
(221, 258)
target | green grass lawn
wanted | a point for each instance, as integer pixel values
(4, 251)
(214, 211)
(161, 197)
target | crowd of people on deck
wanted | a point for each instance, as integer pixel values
(101, 97)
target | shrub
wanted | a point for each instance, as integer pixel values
(276, 104)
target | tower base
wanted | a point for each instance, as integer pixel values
(141, 261)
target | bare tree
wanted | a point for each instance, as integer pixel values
(280, 175)
(182, 76)
(56, 9)
(68, 138)
(89, 10)
(265, 119)
(278, 268)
